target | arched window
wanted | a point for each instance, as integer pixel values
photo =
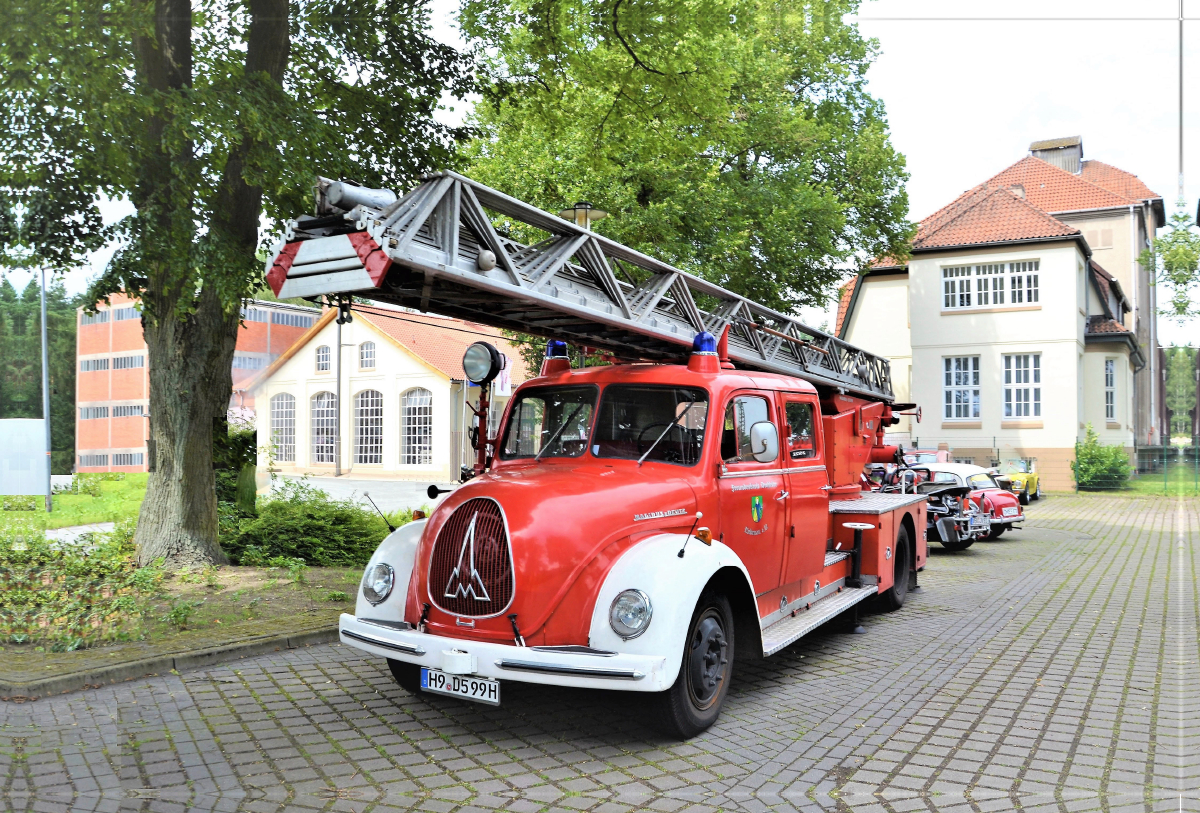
(416, 428)
(366, 356)
(368, 427)
(324, 427)
(323, 359)
(283, 427)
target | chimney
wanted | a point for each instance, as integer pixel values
(1064, 153)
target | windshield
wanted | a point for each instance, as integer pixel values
(981, 480)
(549, 422)
(666, 422)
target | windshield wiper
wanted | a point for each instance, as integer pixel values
(675, 422)
(557, 432)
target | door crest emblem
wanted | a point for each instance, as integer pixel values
(756, 508)
(472, 583)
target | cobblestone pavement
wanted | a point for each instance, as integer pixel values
(1053, 669)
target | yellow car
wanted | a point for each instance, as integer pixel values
(1025, 481)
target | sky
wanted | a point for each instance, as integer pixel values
(968, 85)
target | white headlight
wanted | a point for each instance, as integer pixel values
(377, 582)
(629, 615)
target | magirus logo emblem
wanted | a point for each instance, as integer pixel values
(472, 583)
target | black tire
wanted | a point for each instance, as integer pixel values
(694, 702)
(408, 675)
(997, 531)
(961, 544)
(1023, 497)
(892, 599)
(1037, 495)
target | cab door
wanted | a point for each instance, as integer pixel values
(752, 490)
(808, 487)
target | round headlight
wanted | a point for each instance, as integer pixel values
(377, 582)
(629, 615)
(482, 363)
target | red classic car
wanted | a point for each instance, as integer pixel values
(1002, 507)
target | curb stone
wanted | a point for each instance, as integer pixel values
(161, 664)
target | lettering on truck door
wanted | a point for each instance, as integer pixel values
(808, 503)
(751, 492)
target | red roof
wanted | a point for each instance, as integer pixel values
(987, 214)
(1055, 190)
(438, 341)
(1118, 181)
(844, 295)
(1103, 324)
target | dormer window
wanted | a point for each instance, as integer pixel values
(323, 359)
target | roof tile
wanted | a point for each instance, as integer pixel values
(1117, 181)
(988, 214)
(1055, 190)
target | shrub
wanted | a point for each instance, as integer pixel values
(234, 451)
(1097, 466)
(65, 597)
(19, 503)
(337, 595)
(299, 521)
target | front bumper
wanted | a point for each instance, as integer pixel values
(566, 666)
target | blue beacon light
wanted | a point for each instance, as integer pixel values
(704, 344)
(556, 349)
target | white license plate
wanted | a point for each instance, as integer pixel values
(1011, 511)
(978, 521)
(481, 690)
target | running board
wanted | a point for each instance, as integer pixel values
(781, 633)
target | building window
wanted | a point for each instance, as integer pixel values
(416, 428)
(1023, 282)
(961, 386)
(129, 459)
(323, 359)
(324, 427)
(366, 355)
(368, 427)
(956, 287)
(97, 318)
(120, 315)
(128, 362)
(283, 427)
(92, 413)
(241, 362)
(291, 319)
(989, 284)
(1022, 386)
(254, 314)
(128, 411)
(93, 365)
(93, 460)
(1110, 389)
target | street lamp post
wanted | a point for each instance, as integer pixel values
(46, 390)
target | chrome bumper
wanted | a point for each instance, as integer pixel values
(1008, 520)
(562, 666)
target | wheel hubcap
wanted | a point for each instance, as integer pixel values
(708, 658)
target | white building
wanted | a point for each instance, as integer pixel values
(404, 397)
(1006, 329)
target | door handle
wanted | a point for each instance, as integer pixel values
(782, 495)
(827, 488)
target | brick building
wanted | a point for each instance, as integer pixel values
(112, 385)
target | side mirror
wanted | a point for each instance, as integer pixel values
(764, 441)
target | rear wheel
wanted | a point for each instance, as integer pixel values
(893, 598)
(997, 531)
(408, 675)
(960, 544)
(694, 702)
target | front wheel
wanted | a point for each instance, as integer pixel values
(1037, 495)
(694, 702)
(1023, 497)
(893, 598)
(959, 544)
(408, 675)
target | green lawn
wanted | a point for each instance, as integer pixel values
(118, 500)
(1180, 481)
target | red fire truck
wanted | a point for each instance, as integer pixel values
(640, 526)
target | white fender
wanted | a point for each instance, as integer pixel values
(398, 549)
(673, 585)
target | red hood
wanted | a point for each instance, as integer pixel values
(553, 534)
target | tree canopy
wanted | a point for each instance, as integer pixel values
(733, 138)
(1176, 260)
(207, 116)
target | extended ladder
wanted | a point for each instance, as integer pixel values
(437, 249)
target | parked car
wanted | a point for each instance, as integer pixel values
(1002, 507)
(1025, 481)
(952, 519)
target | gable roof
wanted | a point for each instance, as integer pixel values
(438, 342)
(1107, 284)
(988, 214)
(1055, 190)
(845, 295)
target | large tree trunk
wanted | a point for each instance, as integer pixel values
(191, 335)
